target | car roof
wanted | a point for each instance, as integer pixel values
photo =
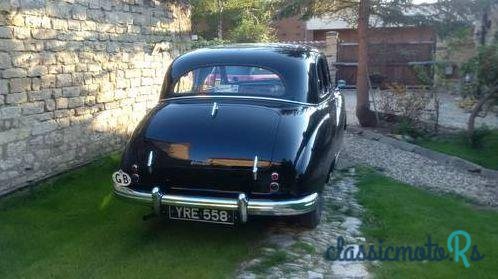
(247, 52)
(272, 47)
(290, 61)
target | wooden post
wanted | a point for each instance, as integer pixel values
(331, 41)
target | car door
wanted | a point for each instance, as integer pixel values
(326, 104)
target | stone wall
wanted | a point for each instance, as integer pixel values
(76, 76)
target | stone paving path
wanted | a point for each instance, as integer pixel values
(290, 251)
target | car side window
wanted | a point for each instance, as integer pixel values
(323, 78)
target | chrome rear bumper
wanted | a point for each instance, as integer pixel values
(242, 204)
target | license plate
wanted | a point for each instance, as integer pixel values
(202, 214)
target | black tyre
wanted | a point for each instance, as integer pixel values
(312, 219)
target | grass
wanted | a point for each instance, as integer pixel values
(456, 145)
(400, 214)
(303, 246)
(73, 227)
(274, 259)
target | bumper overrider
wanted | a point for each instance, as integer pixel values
(241, 204)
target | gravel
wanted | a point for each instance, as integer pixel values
(419, 171)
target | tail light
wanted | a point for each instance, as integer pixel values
(134, 173)
(274, 185)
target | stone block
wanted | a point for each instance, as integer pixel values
(46, 22)
(61, 103)
(49, 105)
(64, 80)
(4, 6)
(94, 4)
(33, 21)
(96, 15)
(10, 112)
(5, 32)
(25, 59)
(5, 61)
(44, 34)
(73, 91)
(14, 73)
(37, 71)
(89, 26)
(67, 58)
(63, 113)
(33, 108)
(39, 95)
(4, 86)
(44, 127)
(55, 45)
(73, 25)
(105, 96)
(11, 45)
(32, 4)
(22, 33)
(48, 81)
(76, 102)
(20, 85)
(58, 10)
(78, 13)
(16, 98)
(59, 24)
(35, 84)
(17, 20)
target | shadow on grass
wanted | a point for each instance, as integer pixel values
(401, 215)
(72, 226)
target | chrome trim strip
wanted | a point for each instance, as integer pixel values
(242, 203)
(240, 97)
(149, 159)
(255, 168)
(204, 190)
(264, 207)
(156, 200)
(214, 110)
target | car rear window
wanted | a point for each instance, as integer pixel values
(230, 80)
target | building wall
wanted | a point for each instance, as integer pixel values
(76, 76)
(291, 29)
(383, 35)
(392, 52)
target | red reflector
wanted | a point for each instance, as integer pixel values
(134, 168)
(274, 176)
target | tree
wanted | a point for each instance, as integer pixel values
(361, 10)
(452, 20)
(446, 16)
(365, 116)
(220, 6)
(235, 20)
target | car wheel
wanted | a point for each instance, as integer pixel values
(312, 219)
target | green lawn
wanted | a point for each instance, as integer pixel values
(456, 145)
(73, 227)
(404, 215)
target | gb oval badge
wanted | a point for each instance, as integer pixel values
(121, 178)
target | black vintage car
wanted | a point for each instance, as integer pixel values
(240, 130)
